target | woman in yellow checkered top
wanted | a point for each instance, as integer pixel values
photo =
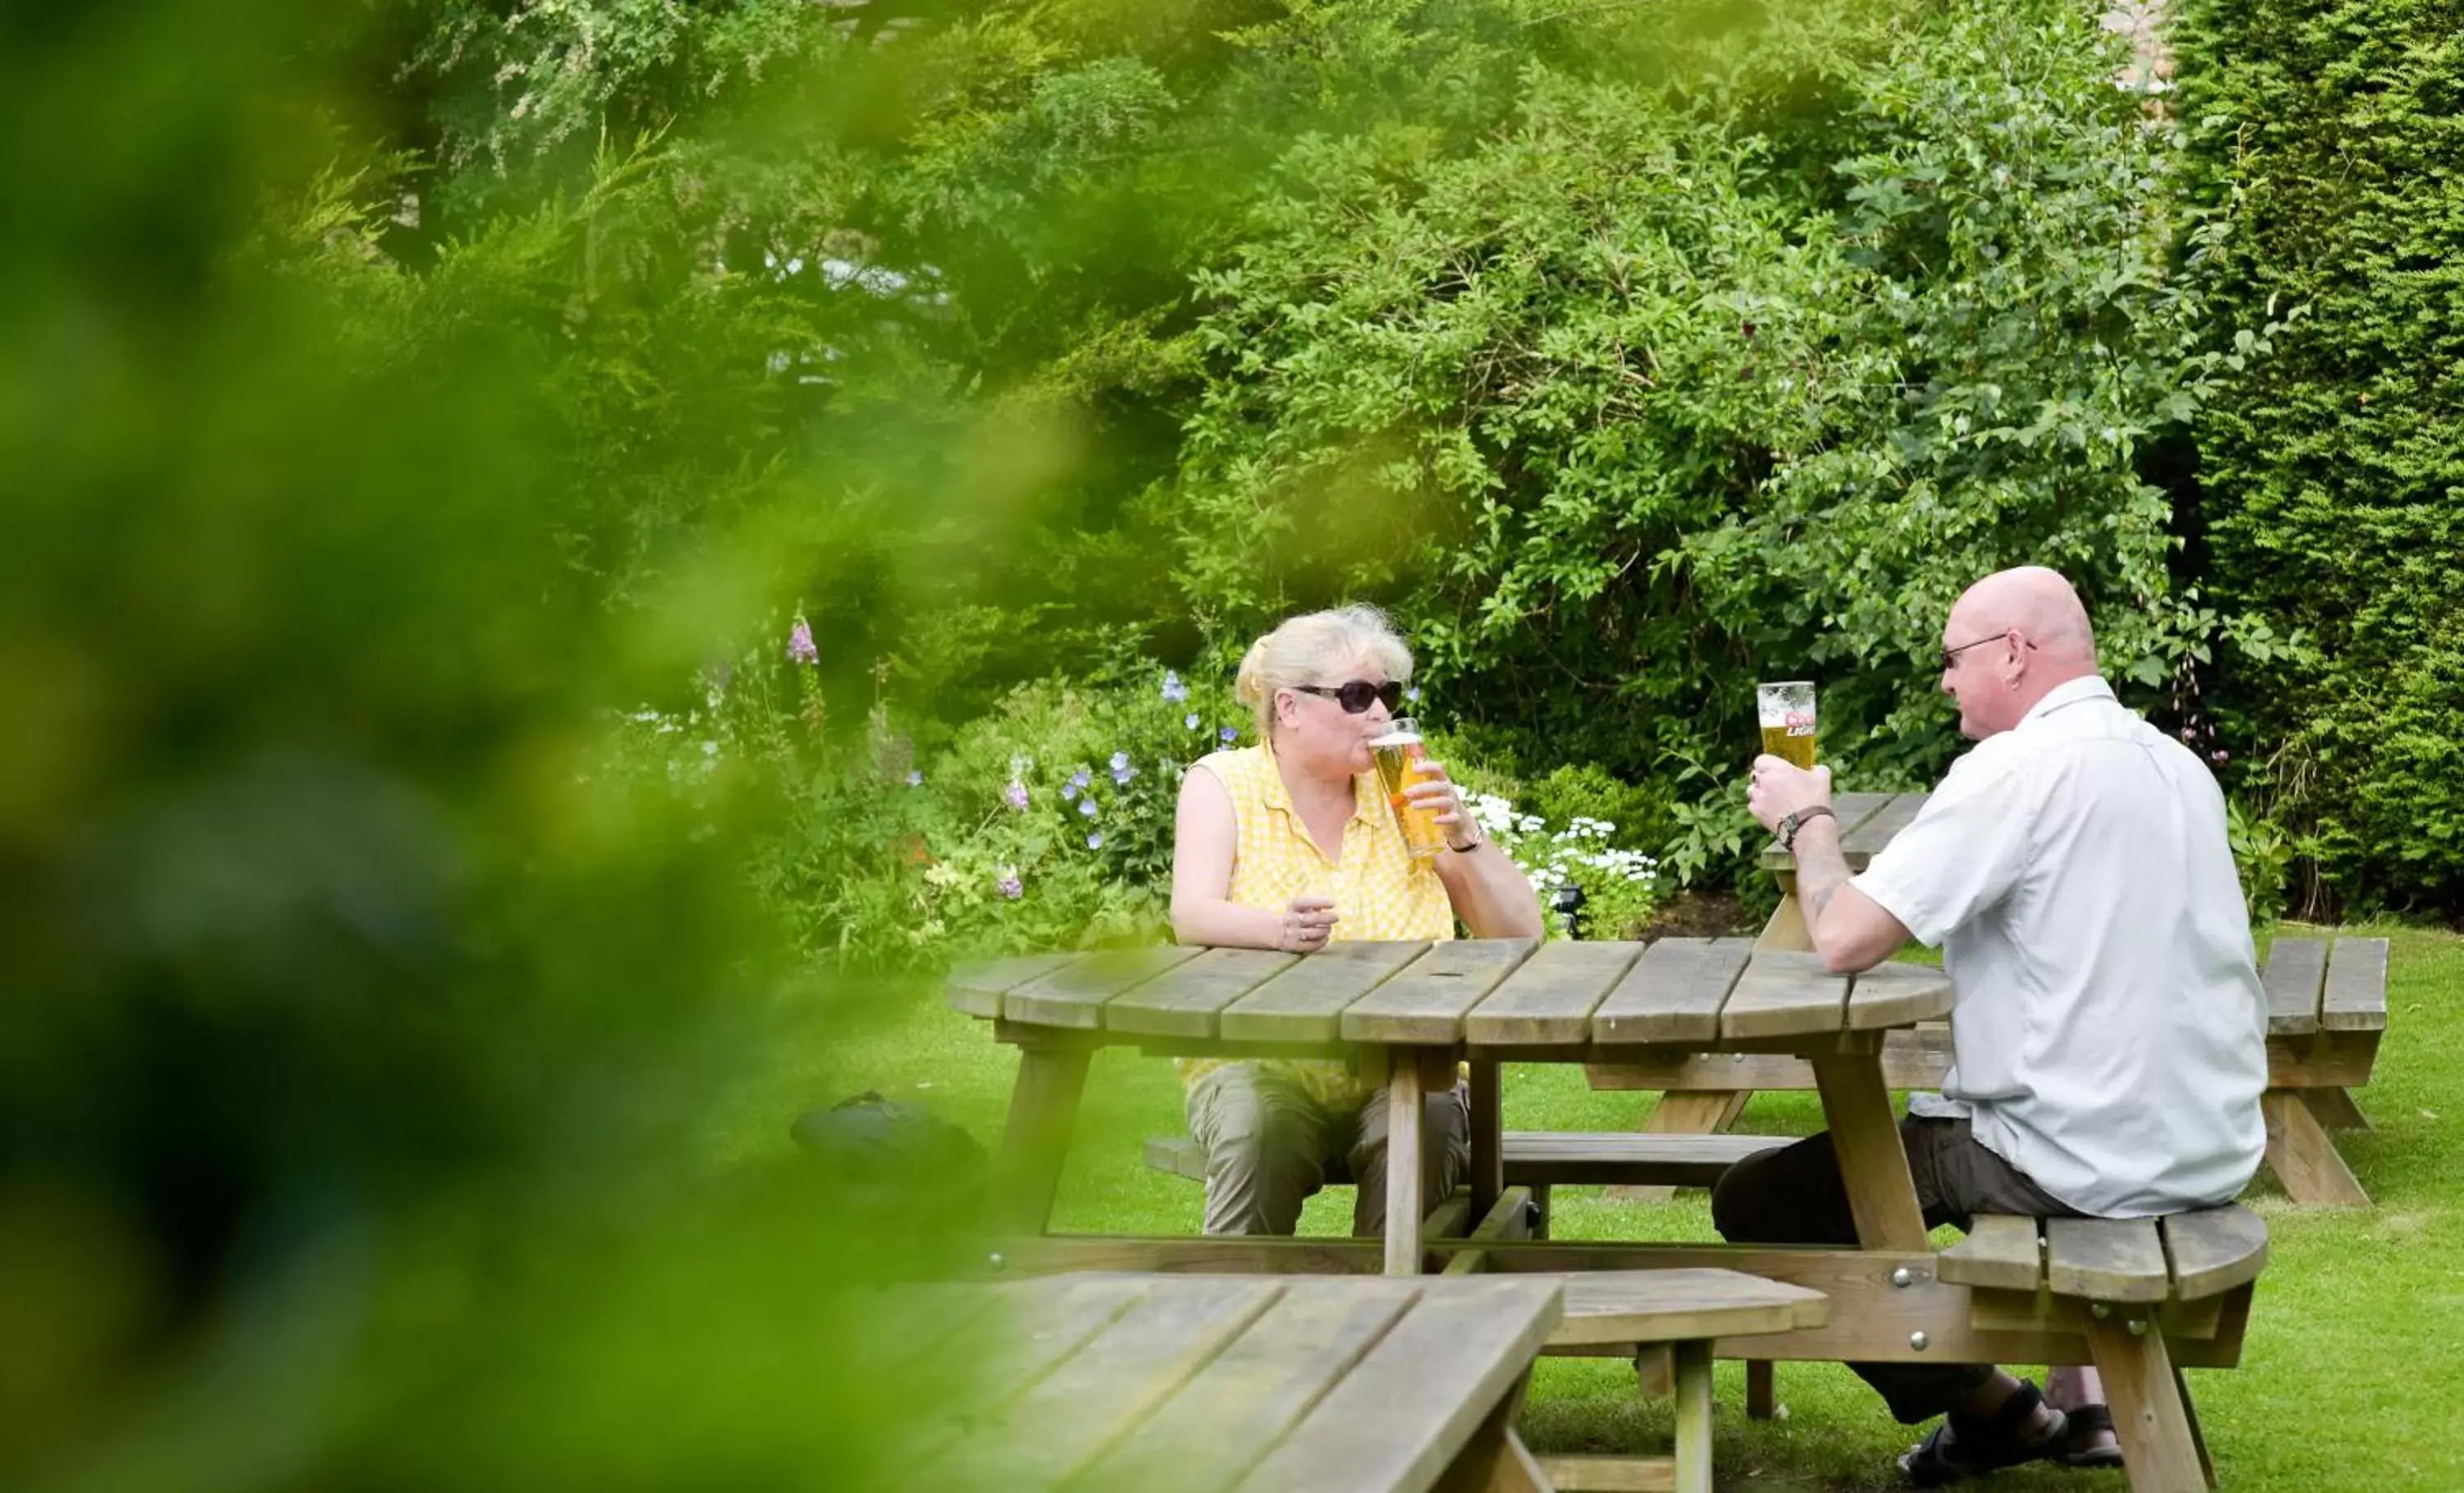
(1289, 844)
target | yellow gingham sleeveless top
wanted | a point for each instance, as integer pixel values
(1379, 891)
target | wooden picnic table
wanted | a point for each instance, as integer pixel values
(2326, 1016)
(1408, 1012)
(1207, 1384)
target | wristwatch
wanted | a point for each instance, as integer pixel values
(1791, 823)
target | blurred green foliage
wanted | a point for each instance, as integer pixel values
(2330, 480)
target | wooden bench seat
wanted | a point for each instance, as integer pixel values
(2125, 1283)
(1552, 1159)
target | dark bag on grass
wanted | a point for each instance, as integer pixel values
(870, 1141)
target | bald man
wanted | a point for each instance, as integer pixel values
(2108, 1030)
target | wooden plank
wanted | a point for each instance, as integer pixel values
(1863, 842)
(2355, 997)
(1397, 1420)
(1304, 1004)
(1786, 931)
(1549, 998)
(1042, 1112)
(1915, 1058)
(1852, 809)
(1679, 1306)
(1999, 1253)
(1596, 1474)
(2213, 1249)
(2148, 1416)
(1487, 1097)
(976, 989)
(1113, 1383)
(1576, 1159)
(1031, 1329)
(1185, 1002)
(2296, 969)
(1425, 1004)
(1673, 992)
(2106, 1260)
(1403, 1143)
(1896, 995)
(1693, 1428)
(1509, 1217)
(1873, 1164)
(1871, 1316)
(2304, 1156)
(1254, 1392)
(1784, 995)
(2334, 1109)
(1074, 995)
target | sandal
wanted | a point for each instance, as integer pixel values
(1967, 1446)
(2084, 1423)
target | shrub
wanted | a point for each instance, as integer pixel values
(2331, 168)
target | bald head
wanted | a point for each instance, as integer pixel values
(2013, 638)
(2040, 605)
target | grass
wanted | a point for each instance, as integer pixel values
(2355, 1345)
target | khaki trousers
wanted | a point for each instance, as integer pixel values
(1267, 1140)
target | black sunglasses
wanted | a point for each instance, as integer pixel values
(1354, 697)
(1951, 656)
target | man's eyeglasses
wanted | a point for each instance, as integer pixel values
(1354, 697)
(1951, 656)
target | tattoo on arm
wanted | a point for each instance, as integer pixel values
(1821, 871)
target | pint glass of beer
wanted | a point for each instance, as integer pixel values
(1788, 720)
(1397, 751)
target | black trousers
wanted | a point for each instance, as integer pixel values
(1794, 1195)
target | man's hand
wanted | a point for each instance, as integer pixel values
(1780, 788)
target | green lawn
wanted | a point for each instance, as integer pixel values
(2356, 1340)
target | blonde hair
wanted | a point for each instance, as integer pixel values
(1305, 649)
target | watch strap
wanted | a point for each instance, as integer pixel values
(1793, 822)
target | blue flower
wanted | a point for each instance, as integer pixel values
(1122, 771)
(1081, 777)
(1412, 694)
(1190, 720)
(1120, 759)
(1086, 805)
(1229, 736)
(1095, 842)
(1172, 689)
(1016, 794)
(915, 780)
(1070, 790)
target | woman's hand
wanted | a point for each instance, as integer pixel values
(1308, 923)
(1436, 792)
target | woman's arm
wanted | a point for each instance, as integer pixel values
(1204, 836)
(1489, 890)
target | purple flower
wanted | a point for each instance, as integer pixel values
(1122, 771)
(1070, 790)
(1228, 735)
(1016, 794)
(1095, 842)
(1412, 692)
(1009, 886)
(1081, 779)
(1172, 689)
(1086, 805)
(800, 643)
(1190, 720)
(2219, 755)
(915, 780)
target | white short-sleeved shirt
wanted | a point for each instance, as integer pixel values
(2109, 1029)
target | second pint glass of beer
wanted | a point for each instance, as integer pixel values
(1788, 719)
(1397, 751)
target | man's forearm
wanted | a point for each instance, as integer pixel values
(1822, 869)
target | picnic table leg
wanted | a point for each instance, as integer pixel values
(2149, 1419)
(1488, 1138)
(1403, 1118)
(1693, 1361)
(1873, 1164)
(1043, 1112)
(1495, 1459)
(1762, 1391)
(2304, 1156)
(2335, 1110)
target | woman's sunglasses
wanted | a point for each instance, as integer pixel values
(1355, 696)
